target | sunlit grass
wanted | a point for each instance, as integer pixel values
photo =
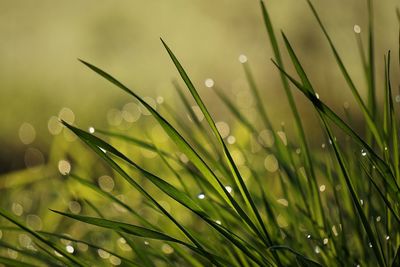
(174, 192)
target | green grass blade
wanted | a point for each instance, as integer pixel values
(16, 263)
(381, 165)
(173, 134)
(232, 166)
(10, 217)
(122, 227)
(367, 115)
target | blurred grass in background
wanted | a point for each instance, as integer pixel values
(40, 41)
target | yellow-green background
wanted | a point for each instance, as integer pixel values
(40, 42)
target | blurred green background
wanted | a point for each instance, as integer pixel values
(41, 79)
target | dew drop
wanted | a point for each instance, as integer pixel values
(317, 95)
(209, 83)
(242, 59)
(370, 244)
(357, 28)
(322, 188)
(308, 236)
(325, 241)
(201, 196)
(378, 219)
(387, 237)
(91, 130)
(228, 188)
(218, 222)
(70, 249)
(363, 153)
(317, 250)
(397, 98)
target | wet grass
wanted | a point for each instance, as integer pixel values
(209, 199)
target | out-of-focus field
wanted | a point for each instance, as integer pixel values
(40, 42)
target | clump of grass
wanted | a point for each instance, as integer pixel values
(203, 205)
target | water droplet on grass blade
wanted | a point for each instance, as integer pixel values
(228, 188)
(91, 130)
(201, 196)
(363, 153)
(70, 249)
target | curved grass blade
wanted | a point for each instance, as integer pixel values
(173, 134)
(10, 217)
(16, 263)
(232, 166)
(184, 146)
(300, 256)
(133, 230)
(327, 112)
(367, 115)
(180, 197)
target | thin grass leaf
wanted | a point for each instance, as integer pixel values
(326, 111)
(366, 113)
(10, 217)
(232, 166)
(174, 135)
(16, 263)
